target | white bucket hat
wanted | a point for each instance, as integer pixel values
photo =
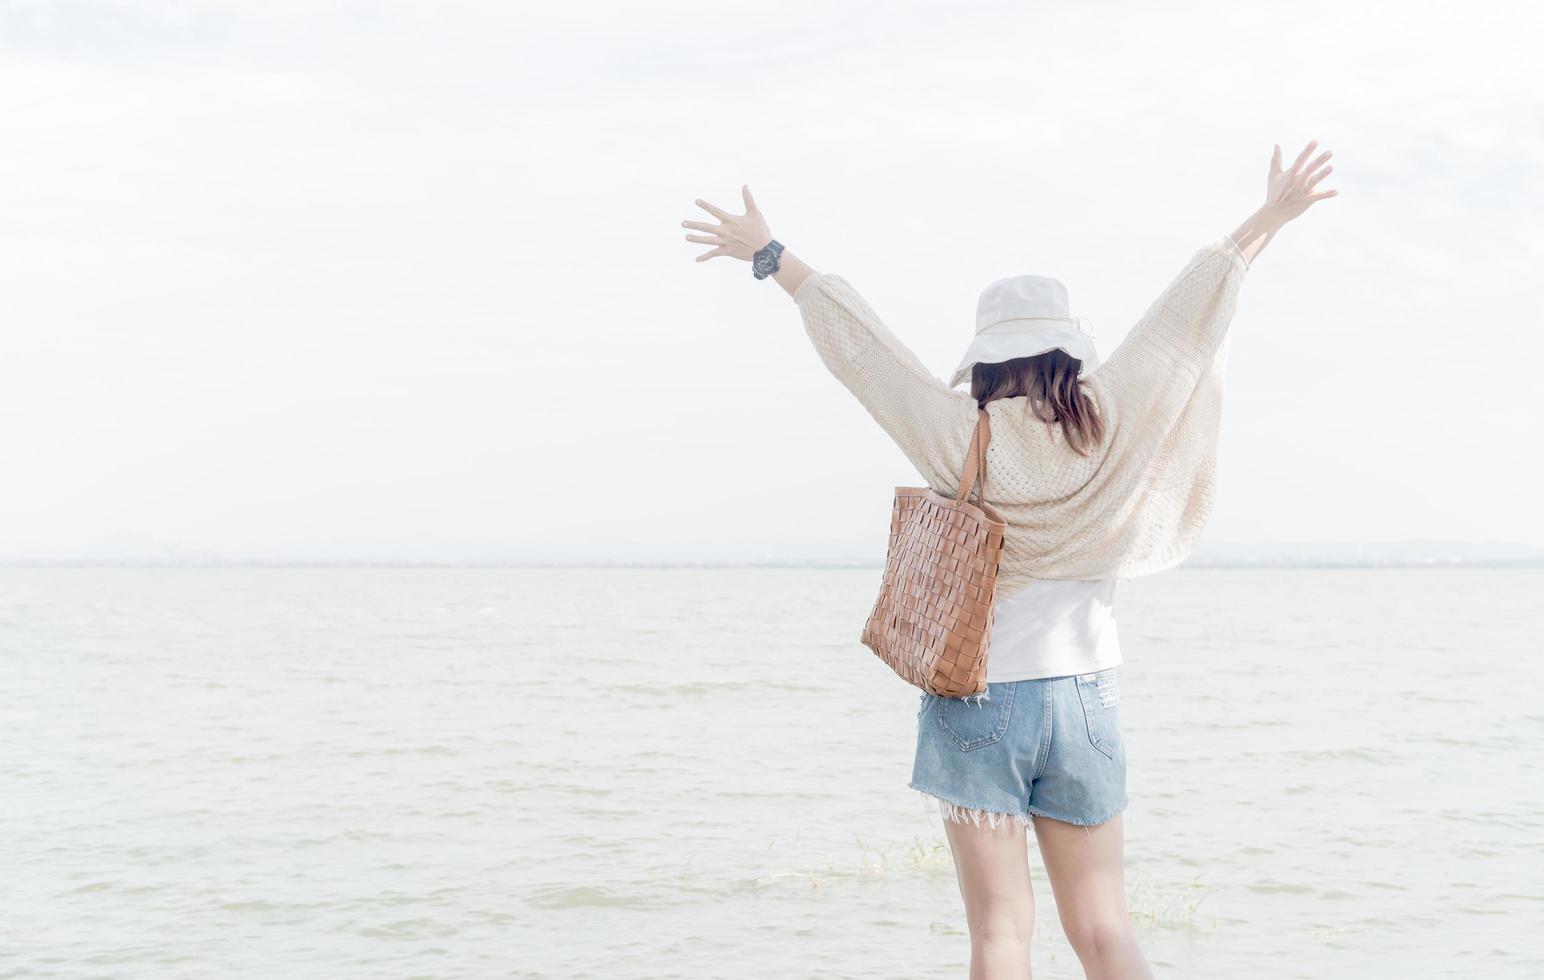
(1021, 316)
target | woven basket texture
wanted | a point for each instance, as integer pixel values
(932, 621)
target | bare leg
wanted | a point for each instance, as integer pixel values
(992, 865)
(1086, 866)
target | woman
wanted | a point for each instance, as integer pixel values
(1102, 471)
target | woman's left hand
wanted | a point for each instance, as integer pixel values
(738, 235)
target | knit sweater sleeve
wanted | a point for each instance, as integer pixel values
(928, 420)
(1172, 347)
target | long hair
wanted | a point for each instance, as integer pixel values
(1054, 393)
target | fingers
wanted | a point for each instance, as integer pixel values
(708, 255)
(750, 202)
(1298, 163)
(718, 213)
(700, 226)
(1303, 175)
(1321, 195)
(1301, 181)
(705, 239)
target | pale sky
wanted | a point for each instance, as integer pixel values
(391, 281)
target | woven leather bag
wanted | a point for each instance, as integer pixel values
(932, 622)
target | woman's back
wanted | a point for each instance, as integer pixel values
(1136, 502)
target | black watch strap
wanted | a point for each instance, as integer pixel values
(766, 261)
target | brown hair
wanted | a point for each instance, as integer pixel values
(1055, 394)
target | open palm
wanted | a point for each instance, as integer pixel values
(1288, 193)
(738, 235)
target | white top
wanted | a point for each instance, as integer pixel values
(1137, 503)
(1051, 628)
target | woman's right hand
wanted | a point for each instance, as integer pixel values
(1288, 193)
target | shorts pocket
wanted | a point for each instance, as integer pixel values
(972, 723)
(1099, 693)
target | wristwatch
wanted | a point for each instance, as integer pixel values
(765, 261)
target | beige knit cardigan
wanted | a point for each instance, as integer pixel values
(1132, 507)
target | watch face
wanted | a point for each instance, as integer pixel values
(762, 261)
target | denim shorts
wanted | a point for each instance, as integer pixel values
(1049, 746)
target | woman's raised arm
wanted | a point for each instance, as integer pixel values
(1288, 193)
(1177, 339)
(930, 422)
(740, 235)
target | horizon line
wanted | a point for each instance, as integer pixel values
(1303, 563)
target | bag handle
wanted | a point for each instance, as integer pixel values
(975, 459)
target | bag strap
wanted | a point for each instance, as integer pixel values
(975, 459)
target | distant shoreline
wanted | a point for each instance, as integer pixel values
(1263, 564)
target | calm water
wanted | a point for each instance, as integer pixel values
(701, 773)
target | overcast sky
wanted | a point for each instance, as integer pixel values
(390, 281)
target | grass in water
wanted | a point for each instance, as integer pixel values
(876, 862)
(1147, 901)
(1151, 908)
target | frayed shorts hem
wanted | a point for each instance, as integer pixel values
(968, 813)
(954, 810)
(1036, 811)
